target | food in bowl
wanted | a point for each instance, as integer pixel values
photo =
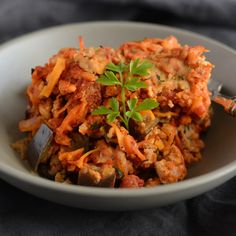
(125, 118)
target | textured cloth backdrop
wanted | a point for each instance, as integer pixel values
(213, 213)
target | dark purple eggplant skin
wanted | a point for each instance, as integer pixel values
(39, 145)
(87, 179)
(43, 170)
(140, 133)
(80, 141)
(109, 181)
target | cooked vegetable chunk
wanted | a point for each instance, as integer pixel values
(39, 145)
(97, 176)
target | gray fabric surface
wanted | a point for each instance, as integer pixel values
(213, 213)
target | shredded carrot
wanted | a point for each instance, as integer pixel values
(87, 76)
(30, 125)
(226, 103)
(70, 156)
(127, 142)
(58, 112)
(160, 145)
(80, 162)
(185, 120)
(81, 43)
(69, 159)
(131, 147)
(53, 77)
(74, 117)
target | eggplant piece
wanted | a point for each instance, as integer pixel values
(73, 177)
(39, 145)
(150, 126)
(97, 176)
(43, 170)
(80, 141)
(108, 177)
(139, 131)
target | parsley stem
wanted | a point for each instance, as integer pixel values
(123, 120)
(129, 79)
(123, 99)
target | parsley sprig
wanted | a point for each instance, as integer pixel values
(127, 76)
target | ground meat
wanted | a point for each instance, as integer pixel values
(88, 91)
(66, 87)
(131, 181)
(91, 92)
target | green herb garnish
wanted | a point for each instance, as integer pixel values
(127, 76)
(119, 173)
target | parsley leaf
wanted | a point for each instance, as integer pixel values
(111, 117)
(114, 104)
(132, 103)
(134, 83)
(137, 68)
(109, 78)
(134, 115)
(147, 104)
(116, 68)
(111, 113)
(102, 110)
(134, 112)
(127, 77)
(137, 116)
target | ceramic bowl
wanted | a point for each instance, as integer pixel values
(18, 56)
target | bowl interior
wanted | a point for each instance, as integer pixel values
(19, 56)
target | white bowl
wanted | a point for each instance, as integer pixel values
(18, 56)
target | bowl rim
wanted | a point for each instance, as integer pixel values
(46, 30)
(114, 192)
(107, 192)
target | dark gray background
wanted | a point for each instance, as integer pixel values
(213, 213)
